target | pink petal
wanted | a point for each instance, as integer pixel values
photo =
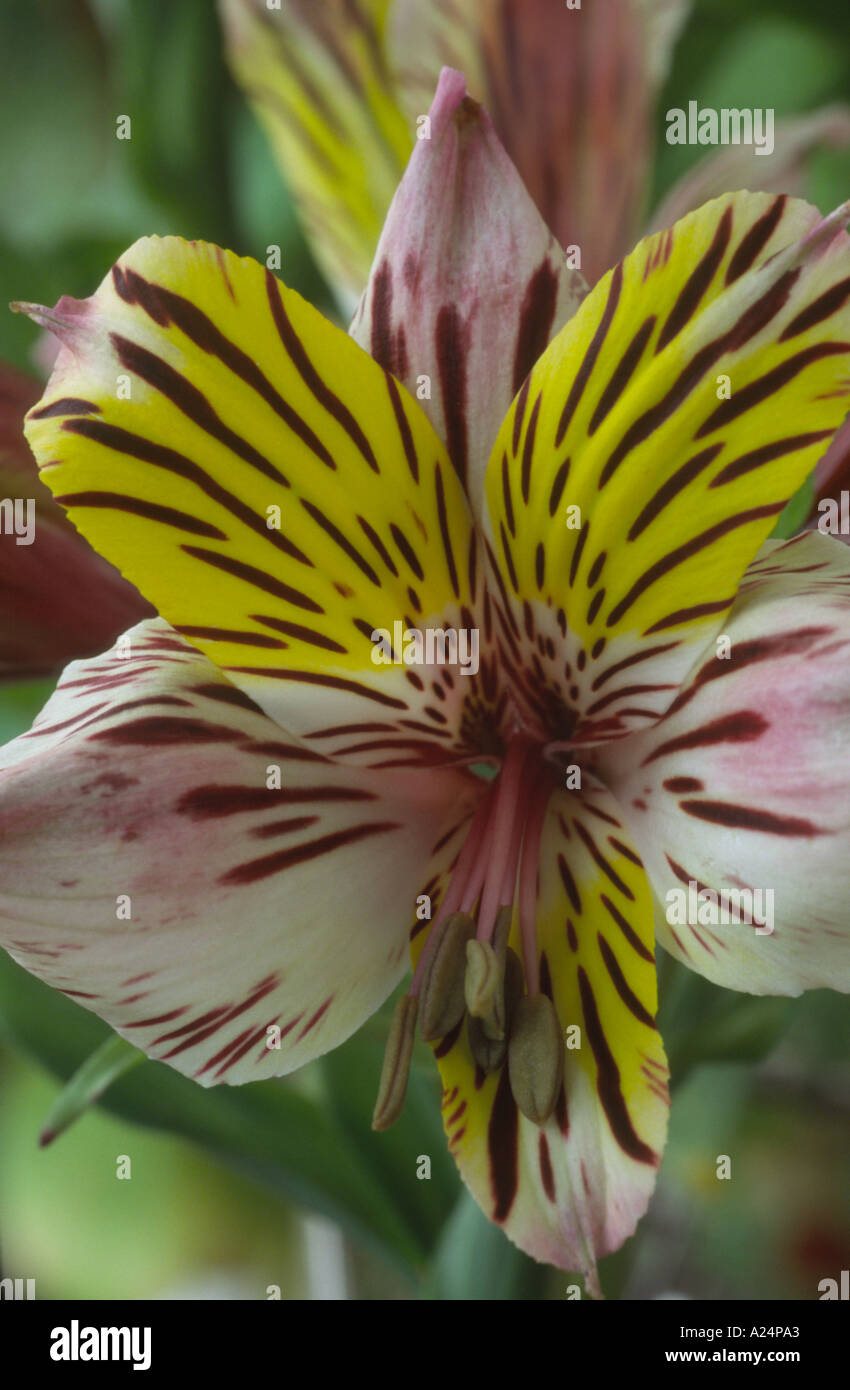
(468, 286)
(152, 869)
(745, 784)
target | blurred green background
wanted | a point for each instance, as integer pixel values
(222, 1181)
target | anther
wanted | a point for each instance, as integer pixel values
(442, 992)
(482, 979)
(490, 1053)
(536, 1057)
(392, 1086)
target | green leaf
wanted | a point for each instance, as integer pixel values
(700, 1022)
(54, 114)
(179, 95)
(20, 702)
(796, 511)
(396, 1155)
(267, 1131)
(112, 1059)
(476, 1261)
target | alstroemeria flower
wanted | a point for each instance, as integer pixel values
(59, 598)
(340, 87)
(228, 827)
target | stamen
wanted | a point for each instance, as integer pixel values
(392, 1086)
(536, 1057)
(484, 984)
(467, 862)
(490, 1053)
(443, 1002)
(482, 978)
(469, 969)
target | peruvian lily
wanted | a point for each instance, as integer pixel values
(341, 88)
(220, 835)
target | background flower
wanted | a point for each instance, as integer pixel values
(573, 93)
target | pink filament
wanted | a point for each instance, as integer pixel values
(466, 865)
(509, 801)
(503, 841)
(539, 799)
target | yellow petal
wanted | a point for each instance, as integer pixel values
(652, 448)
(274, 492)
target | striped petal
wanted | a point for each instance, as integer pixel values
(570, 91)
(58, 599)
(574, 1188)
(154, 867)
(744, 787)
(652, 448)
(468, 285)
(317, 78)
(272, 490)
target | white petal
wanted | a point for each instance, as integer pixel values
(152, 870)
(745, 784)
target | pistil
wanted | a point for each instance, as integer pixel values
(466, 968)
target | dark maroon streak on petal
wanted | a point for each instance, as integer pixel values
(311, 378)
(136, 446)
(697, 283)
(602, 863)
(584, 372)
(628, 931)
(621, 985)
(202, 803)
(687, 615)
(445, 1045)
(255, 869)
(547, 1177)
(536, 316)
(608, 1079)
(672, 487)
(528, 448)
(503, 1147)
(749, 652)
(743, 726)
(821, 308)
(137, 506)
(228, 634)
(766, 453)
(755, 239)
(750, 818)
(258, 578)
(451, 364)
(340, 540)
(686, 551)
(66, 405)
(622, 374)
(767, 385)
(163, 729)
